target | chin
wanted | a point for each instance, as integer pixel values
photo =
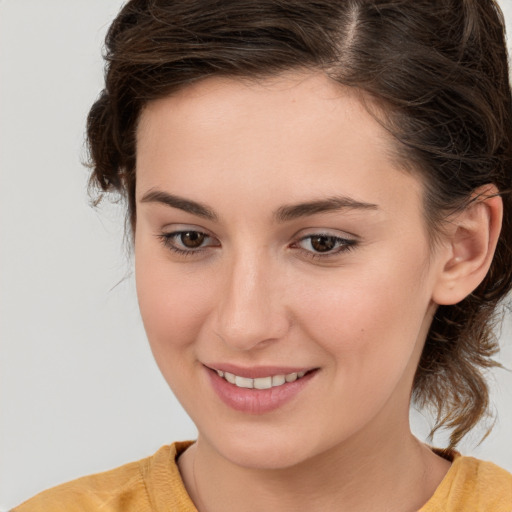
(265, 450)
(263, 458)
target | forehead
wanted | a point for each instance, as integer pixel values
(297, 134)
(287, 100)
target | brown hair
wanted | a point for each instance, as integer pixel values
(439, 69)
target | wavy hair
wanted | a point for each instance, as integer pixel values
(439, 70)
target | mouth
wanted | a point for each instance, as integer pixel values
(268, 382)
(258, 390)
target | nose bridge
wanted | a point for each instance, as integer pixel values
(250, 310)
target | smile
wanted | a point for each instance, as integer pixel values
(272, 381)
(261, 389)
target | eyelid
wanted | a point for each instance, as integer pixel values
(343, 243)
(174, 229)
(336, 233)
(169, 234)
(178, 227)
(348, 241)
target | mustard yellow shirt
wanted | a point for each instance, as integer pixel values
(154, 484)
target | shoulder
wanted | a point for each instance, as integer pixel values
(134, 487)
(473, 484)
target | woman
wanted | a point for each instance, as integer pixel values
(319, 196)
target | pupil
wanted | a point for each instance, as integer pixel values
(192, 239)
(323, 243)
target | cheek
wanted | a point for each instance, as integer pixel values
(370, 323)
(172, 302)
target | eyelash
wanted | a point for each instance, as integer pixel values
(342, 244)
(168, 241)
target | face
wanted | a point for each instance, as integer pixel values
(283, 266)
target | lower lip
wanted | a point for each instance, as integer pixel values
(257, 401)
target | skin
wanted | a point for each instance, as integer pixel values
(257, 293)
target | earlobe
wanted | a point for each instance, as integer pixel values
(470, 242)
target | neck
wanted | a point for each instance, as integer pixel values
(388, 471)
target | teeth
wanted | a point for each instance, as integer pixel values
(291, 377)
(278, 380)
(261, 382)
(244, 382)
(229, 377)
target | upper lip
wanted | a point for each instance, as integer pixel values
(255, 372)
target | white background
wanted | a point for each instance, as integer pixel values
(79, 391)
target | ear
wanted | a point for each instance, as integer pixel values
(469, 245)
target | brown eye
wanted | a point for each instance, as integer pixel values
(322, 243)
(188, 243)
(192, 239)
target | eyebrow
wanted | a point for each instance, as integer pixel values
(330, 204)
(282, 214)
(193, 207)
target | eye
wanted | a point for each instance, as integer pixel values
(324, 245)
(191, 239)
(187, 242)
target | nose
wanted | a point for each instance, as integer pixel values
(251, 310)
